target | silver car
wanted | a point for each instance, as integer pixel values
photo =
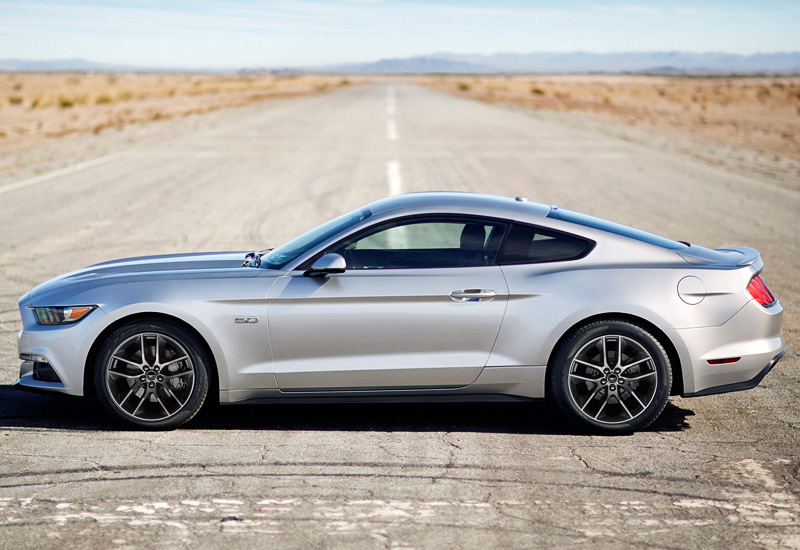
(428, 296)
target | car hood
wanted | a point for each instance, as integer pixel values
(169, 262)
(173, 266)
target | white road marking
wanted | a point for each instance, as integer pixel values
(393, 178)
(390, 102)
(61, 172)
(391, 125)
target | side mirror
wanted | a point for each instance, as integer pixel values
(325, 265)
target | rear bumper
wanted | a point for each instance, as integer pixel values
(751, 340)
(739, 386)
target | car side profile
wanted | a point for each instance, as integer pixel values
(418, 297)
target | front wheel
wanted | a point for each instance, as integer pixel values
(611, 376)
(152, 374)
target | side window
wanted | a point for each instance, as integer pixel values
(527, 244)
(424, 243)
(415, 236)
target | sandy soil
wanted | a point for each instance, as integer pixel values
(756, 113)
(38, 107)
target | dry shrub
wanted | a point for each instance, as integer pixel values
(63, 104)
(754, 112)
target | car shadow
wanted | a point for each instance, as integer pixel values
(22, 409)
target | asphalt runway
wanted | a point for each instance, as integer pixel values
(713, 472)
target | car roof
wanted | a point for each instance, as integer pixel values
(477, 203)
(518, 209)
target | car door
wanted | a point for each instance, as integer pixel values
(419, 306)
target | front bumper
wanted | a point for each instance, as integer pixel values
(36, 373)
(63, 348)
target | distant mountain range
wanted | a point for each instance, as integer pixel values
(581, 62)
(60, 65)
(573, 62)
(84, 65)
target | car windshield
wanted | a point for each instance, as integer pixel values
(279, 257)
(616, 228)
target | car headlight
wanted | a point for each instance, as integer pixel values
(61, 315)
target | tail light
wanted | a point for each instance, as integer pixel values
(758, 290)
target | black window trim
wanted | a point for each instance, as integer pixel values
(506, 223)
(544, 230)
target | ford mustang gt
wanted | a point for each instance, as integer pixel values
(419, 297)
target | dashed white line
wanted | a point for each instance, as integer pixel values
(390, 103)
(58, 173)
(391, 125)
(393, 178)
(391, 129)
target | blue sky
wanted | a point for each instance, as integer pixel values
(237, 33)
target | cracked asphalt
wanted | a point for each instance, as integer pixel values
(713, 472)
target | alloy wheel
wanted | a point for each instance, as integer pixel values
(612, 379)
(150, 376)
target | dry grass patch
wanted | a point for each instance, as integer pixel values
(37, 107)
(755, 112)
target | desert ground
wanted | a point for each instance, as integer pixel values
(717, 472)
(38, 107)
(760, 113)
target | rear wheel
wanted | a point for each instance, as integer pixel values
(611, 376)
(152, 374)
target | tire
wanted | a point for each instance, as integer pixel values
(611, 376)
(152, 374)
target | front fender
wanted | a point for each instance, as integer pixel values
(181, 315)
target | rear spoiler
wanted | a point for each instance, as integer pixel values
(729, 256)
(750, 255)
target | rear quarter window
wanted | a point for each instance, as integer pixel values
(528, 244)
(616, 228)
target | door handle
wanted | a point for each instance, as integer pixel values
(473, 295)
